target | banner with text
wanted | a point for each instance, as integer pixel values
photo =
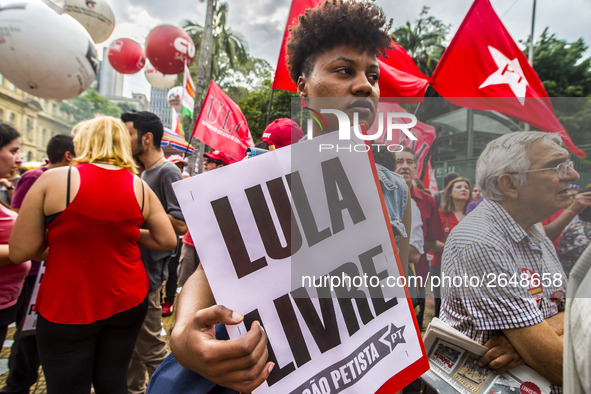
(273, 245)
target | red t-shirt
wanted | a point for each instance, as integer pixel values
(447, 222)
(431, 224)
(94, 269)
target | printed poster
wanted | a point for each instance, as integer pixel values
(298, 240)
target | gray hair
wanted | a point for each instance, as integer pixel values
(508, 153)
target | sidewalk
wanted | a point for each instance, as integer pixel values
(39, 387)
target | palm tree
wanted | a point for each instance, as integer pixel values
(424, 41)
(227, 46)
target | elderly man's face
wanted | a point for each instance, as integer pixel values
(545, 193)
(345, 73)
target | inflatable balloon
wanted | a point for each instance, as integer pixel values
(126, 56)
(168, 48)
(45, 54)
(174, 98)
(95, 15)
(157, 79)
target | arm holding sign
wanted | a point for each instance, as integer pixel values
(403, 253)
(240, 364)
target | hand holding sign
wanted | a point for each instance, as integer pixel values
(240, 364)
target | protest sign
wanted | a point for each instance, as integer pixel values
(299, 240)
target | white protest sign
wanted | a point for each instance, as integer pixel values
(30, 320)
(275, 233)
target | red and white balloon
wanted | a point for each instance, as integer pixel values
(126, 56)
(95, 15)
(157, 79)
(174, 98)
(168, 48)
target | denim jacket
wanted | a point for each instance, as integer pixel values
(396, 196)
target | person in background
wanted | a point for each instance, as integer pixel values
(189, 259)
(279, 133)
(476, 199)
(146, 131)
(446, 180)
(23, 363)
(575, 238)
(406, 165)
(7, 186)
(557, 222)
(322, 63)
(173, 262)
(455, 199)
(12, 275)
(524, 177)
(93, 297)
(577, 319)
(178, 161)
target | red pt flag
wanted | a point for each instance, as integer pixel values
(399, 75)
(482, 61)
(222, 125)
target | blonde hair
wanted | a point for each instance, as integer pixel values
(448, 202)
(104, 139)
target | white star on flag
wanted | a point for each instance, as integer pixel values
(509, 72)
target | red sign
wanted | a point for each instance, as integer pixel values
(222, 125)
(483, 61)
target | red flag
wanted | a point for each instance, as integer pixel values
(399, 75)
(482, 61)
(424, 133)
(429, 180)
(222, 125)
(282, 80)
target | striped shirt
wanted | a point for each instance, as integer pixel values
(496, 258)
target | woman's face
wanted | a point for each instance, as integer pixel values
(9, 158)
(460, 191)
(345, 79)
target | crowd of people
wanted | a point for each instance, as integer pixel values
(103, 216)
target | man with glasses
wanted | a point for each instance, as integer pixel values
(512, 297)
(406, 165)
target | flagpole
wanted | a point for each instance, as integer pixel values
(530, 56)
(270, 104)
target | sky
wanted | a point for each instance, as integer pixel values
(262, 22)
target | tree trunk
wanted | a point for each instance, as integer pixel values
(203, 72)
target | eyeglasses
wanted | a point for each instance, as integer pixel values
(561, 169)
(409, 162)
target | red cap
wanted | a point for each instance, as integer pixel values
(177, 159)
(217, 155)
(282, 132)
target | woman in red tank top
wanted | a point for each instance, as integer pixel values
(92, 300)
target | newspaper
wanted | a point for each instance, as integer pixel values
(454, 367)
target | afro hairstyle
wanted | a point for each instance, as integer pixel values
(361, 24)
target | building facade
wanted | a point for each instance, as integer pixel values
(36, 119)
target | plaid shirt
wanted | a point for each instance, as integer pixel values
(488, 245)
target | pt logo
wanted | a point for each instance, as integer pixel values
(509, 72)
